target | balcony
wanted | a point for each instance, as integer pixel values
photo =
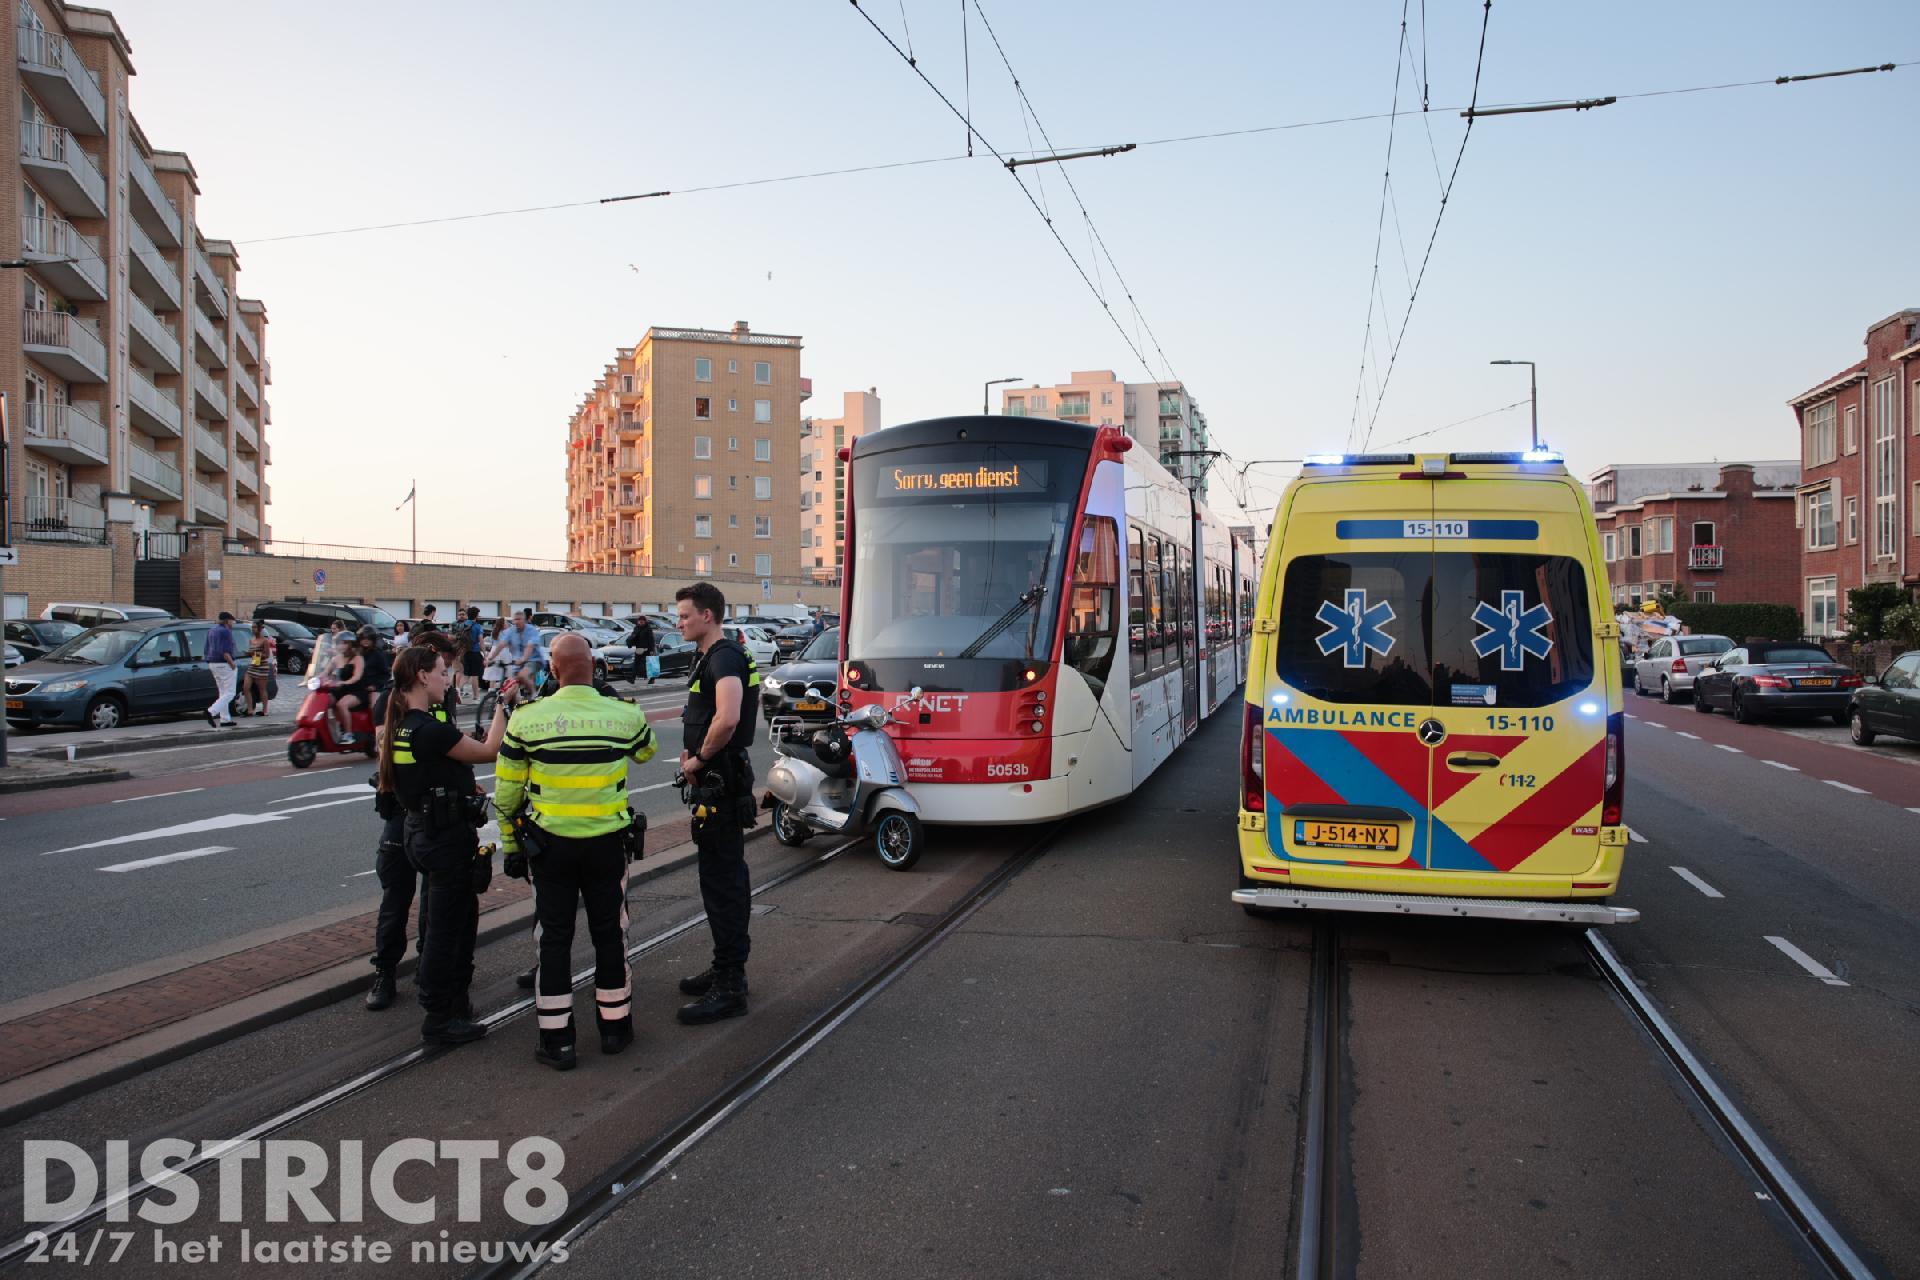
(210, 447)
(152, 339)
(69, 260)
(66, 432)
(1074, 408)
(209, 503)
(153, 276)
(1171, 409)
(630, 499)
(630, 538)
(59, 79)
(156, 211)
(245, 434)
(246, 521)
(152, 476)
(1707, 557)
(209, 343)
(53, 156)
(266, 412)
(62, 520)
(245, 387)
(212, 289)
(248, 342)
(65, 344)
(209, 397)
(246, 477)
(155, 411)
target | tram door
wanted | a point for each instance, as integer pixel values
(1189, 655)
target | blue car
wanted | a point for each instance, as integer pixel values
(111, 674)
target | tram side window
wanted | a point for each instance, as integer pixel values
(1137, 601)
(1156, 606)
(1096, 589)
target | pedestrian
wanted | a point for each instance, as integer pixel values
(220, 661)
(723, 701)
(401, 636)
(260, 655)
(428, 622)
(427, 765)
(472, 663)
(576, 835)
(332, 646)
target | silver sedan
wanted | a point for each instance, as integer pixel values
(1669, 666)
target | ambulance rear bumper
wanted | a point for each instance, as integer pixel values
(1408, 904)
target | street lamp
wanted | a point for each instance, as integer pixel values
(990, 384)
(1533, 394)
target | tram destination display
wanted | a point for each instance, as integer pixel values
(959, 480)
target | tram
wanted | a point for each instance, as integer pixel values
(1069, 610)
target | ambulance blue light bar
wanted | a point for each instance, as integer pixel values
(1530, 455)
(1358, 460)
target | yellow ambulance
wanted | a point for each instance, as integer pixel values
(1432, 723)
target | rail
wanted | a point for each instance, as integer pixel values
(66, 422)
(58, 329)
(148, 184)
(155, 470)
(50, 51)
(53, 144)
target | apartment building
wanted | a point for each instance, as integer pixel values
(1721, 532)
(1859, 510)
(823, 482)
(135, 371)
(683, 459)
(1162, 416)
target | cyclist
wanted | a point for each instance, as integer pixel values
(522, 657)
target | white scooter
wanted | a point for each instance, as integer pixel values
(845, 778)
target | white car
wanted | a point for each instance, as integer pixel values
(754, 639)
(1669, 665)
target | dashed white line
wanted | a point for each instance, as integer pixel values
(1807, 962)
(1697, 882)
(1846, 786)
(351, 788)
(158, 795)
(169, 857)
(356, 875)
(1653, 724)
(1724, 747)
(1683, 733)
(1913, 809)
(1635, 836)
(1776, 764)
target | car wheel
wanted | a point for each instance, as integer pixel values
(1700, 701)
(1857, 724)
(106, 712)
(1740, 713)
(1666, 691)
(292, 663)
(1638, 691)
(599, 671)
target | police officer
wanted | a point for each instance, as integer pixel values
(561, 787)
(397, 877)
(428, 764)
(723, 705)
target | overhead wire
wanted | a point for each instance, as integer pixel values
(1379, 230)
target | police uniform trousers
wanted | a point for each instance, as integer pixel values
(567, 873)
(398, 882)
(724, 889)
(445, 855)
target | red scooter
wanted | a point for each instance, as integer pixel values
(314, 730)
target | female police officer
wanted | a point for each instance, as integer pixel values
(427, 764)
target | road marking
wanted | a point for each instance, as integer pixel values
(222, 822)
(1807, 962)
(1697, 882)
(1683, 733)
(1846, 786)
(366, 793)
(1776, 764)
(1653, 724)
(158, 795)
(1913, 809)
(168, 857)
(1724, 747)
(1635, 836)
(327, 791)
(1632, 716)
(356, 875)
(634, 791)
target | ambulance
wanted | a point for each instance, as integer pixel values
(1433, 724)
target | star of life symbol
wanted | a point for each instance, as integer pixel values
(1356, 628)
(1513, 630)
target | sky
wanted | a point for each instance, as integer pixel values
(1678, 266)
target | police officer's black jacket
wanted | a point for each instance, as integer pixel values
(723, 658)
(420, 761)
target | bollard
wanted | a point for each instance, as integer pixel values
(69, 753)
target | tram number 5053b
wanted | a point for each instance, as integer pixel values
(1008, 770)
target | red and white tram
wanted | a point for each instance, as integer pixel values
(1069, 610)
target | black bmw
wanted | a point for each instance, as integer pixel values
(805, 687)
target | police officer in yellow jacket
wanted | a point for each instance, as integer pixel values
(561, 791)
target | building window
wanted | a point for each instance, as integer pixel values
(702, 564)
(763, 526)
(763, 411)
(763, 565)
(763, 373)
(702, 408)
(703, 526)
(763, 488)
(702, 369)
(1633, 542)
(733, 483)
(626, 382)
(1106, 397)
(1818, 421)
(733, 444)
(1853, 520)
(733, 405)
(1850, 431)
(1823, 606)
(1886, 469)
(818, 540)
(1703, 595)
(1661, 534)
(1915, 508)
(733, 560)
(703, 486)
(703, 446)
(1015, 407)
(763, 450)
(1606, 545)
(733, 366)
(1703, 533)
(733, 522)
(1820, 530)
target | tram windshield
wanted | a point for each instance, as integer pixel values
(959, 550)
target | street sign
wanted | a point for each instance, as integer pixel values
(766, 588)
(319, 577)
(9, 556)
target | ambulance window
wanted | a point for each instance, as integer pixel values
(1137, 601)
(1510, 630)
(1352, 628)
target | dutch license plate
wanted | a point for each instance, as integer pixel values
(811, 704)
(1347, 835)
(1816, 682)
(16, 704)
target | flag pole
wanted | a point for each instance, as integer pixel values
(413, 491)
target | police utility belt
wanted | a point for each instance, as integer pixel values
(535, 841)
(443, 807)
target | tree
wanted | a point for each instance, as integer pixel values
(1868, 607)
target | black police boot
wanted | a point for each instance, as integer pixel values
(700, 983)
(525, 980)
(447, 1029)
(463, 1009)
(556, 1050)
(617, 1035)
(380, 994)
(726, 997)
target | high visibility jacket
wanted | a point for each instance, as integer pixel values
(565, 758)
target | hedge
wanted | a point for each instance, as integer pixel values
(1740, 622)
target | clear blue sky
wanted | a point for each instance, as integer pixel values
(1678, 266)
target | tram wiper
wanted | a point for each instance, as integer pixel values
(1005, 620)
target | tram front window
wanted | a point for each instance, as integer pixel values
(960, 551)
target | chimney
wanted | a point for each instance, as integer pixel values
(739, 329)
(1736, 479)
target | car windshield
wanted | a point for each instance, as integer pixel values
(291, 630)
(101, 645)
(1792, 653)
(373, 616)
(57, 632)
(825, 647)
(1704, 644)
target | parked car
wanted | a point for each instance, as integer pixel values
(1889, 704)
(676, 653)
(36, 638)
(788, 641)
(315, 615)
(1769, 677)
(754, 640)
(114, 673)
(610, 661)
(1672, 662)
(92, 615)
(293, 642)
(10, 655)
(805, 687)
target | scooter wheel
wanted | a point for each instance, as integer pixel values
(301, 754)
(788, 827)
(899, 839)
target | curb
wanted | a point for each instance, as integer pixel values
(154, 742)
(79, 778)
(111, 1064)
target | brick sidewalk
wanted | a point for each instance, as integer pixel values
(52, 1036)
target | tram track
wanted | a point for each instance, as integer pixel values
(370, 1078)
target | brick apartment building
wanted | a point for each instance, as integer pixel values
(684, 458)
(1859, 504)
(135, 373)
(1162, 416)
(1721, 532)
(823, 482)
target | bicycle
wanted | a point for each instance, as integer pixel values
(483, 710)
